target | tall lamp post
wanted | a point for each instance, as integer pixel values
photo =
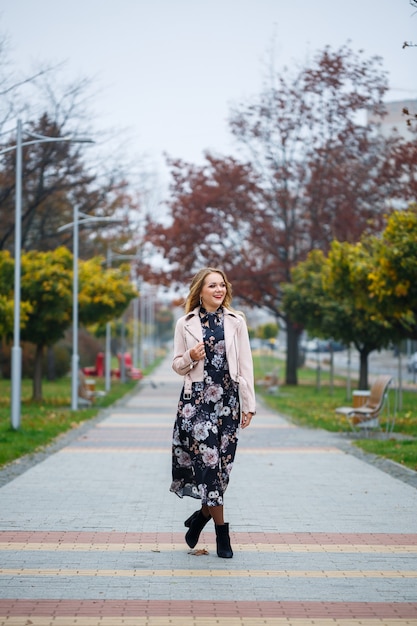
(16, 369)
(79, 219)
(107, 358)
(147, 317)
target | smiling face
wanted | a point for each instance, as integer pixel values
(213, 291)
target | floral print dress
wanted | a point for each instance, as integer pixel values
(206, 428)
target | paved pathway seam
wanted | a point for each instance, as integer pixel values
(90, 534)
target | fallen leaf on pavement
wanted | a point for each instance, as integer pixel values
(199, 552)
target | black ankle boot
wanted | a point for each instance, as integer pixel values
(224, 548)
(197, 521)
(192, 517)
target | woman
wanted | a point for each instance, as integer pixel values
(212, 352)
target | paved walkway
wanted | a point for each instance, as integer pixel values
(91, 535)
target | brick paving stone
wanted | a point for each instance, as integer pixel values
(89, 532)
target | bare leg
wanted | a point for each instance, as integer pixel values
(216, 513)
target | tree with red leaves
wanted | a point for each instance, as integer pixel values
(310, 173)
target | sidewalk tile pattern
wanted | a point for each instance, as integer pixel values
(91, 535)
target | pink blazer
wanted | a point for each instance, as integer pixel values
(188, 332)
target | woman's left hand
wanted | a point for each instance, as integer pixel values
(246, 419)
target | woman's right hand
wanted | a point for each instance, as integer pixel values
(198, 352)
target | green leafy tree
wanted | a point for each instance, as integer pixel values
(348, 281)
(330, 297)
(268, 330)
(104, 293)
(6, 295)
(7, 299)
(305, 298)
(393, 277)
(7, 310)
(46, 284)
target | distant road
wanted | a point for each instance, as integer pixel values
(383, 362)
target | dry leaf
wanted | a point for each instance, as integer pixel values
(199, 552)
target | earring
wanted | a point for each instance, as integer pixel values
(201, 302)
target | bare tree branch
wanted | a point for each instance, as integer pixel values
(24, 81)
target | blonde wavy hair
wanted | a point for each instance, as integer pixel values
(193, 298)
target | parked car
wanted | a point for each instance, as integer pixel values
(323, 345)
(412, 363)
(316, 345)
(337, 346)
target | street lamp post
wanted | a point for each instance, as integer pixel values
(107, 358)
(135, 332)
(143, 328)
(75, 357)
(107, 353)
(16, 369)
(123, 350)
(147, 316)
(85, 219)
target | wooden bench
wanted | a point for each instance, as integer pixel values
(87, 392)
(270, 382)
(367, 415)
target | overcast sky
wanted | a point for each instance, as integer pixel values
(169, 70)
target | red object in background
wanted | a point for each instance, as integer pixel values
(132, 372)
(100, 364)
(127, 359)
(135, 374)
(98, 370)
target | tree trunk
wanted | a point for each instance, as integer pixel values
(331, 373)
(50, 363)
(363, 369)
(293, 335)
(37, 375)
(318, 371)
